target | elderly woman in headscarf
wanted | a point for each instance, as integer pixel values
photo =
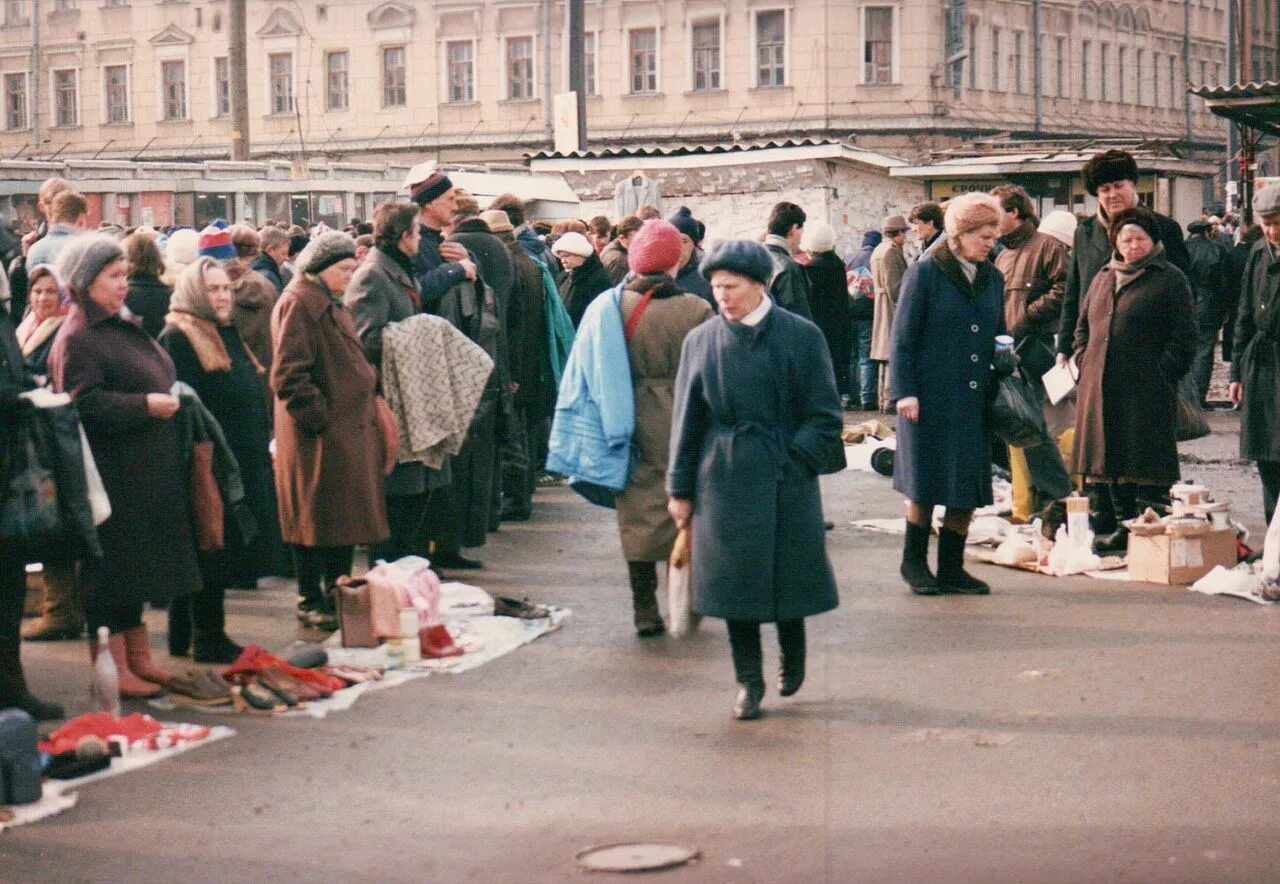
(950, 310)
(329, 448)
(121, 382)
(1135, 339)
(209, 355)
(756, 419)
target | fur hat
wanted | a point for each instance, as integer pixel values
(654, 248)
(1107, 168)
(324, 251)
(573, 243)
(1061, 225)
(970, 211)
(497, 220)
(84, 257)
(215, 242)
(1267, 200)
(183, 247)
(690, 226)
(817, 236)
(1142, 217)
(740, 256)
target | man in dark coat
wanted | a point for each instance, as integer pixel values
(1207, 275)
(1112, 177)
(274, 244)
(13, 574)
(1255, 373)
(789, 286)
(690, 278)
(614, 255)
(829, 297)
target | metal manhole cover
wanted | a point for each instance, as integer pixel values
(637, 857)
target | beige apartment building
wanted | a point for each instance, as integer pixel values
(469, 80)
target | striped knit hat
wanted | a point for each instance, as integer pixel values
(216, 243)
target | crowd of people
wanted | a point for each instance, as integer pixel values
(685, 388)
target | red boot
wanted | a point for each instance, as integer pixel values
(130, 685)
(138, 650)
(435, 642)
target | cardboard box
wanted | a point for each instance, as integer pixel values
(1180, 561)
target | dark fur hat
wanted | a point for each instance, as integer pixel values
(1138, 215)
(1108, 167)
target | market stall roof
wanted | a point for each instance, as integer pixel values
(1255, 105)
(999, 164)
(659, 156)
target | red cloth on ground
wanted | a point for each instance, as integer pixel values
(255, 660)
(142, 731)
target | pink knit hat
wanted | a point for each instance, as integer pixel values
(655, 248)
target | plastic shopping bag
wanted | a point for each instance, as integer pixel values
(679, 588)
(1016, 416)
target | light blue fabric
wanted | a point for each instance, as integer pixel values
(595, 414)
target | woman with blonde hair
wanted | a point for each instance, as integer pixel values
(950, 310)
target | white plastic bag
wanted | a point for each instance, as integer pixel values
(99, 503)
(679, 589)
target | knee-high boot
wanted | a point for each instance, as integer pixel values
(952, 576)
(644, 598)
(915, 560)
(748, 668)
(209, 617)
(792, 642)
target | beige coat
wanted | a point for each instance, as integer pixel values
(646, 529)
(888, 266)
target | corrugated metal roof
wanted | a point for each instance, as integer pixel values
(1253, 105)
(1266, 89)
(694, 149)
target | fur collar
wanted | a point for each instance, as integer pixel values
(663, 286)
(205, 340)
(949, 264)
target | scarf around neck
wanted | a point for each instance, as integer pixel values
(204, 338)
(1128, 271)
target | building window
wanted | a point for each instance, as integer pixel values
(1123, 77)
(1018, 38)
(1204, 73)
(520, 68)
(1060, 67)
(644, 60)
(116, 86)
(462, 71)
(1086, 70)
(706, 56)
(1104, 68)
(1142, 78)
(221, 87)
(64, 5)
(393, 77)
(771, 48)
(995, 59)
(17, 12)
(337, 69)
(973, 55)
(1157, 93)
(589, 63)
(173, 79)
(1173, 81)
(877, 45)
(66, 98)
(15, 101)
(280, 66)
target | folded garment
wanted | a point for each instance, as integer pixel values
(254, 660)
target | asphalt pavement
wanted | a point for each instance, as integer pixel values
(1058, 730)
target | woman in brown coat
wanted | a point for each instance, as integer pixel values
(120, 380)
(329, 450)
(1135, 339)
(657, 316)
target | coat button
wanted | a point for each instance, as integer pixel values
(973, 357)
(973, 385)
(974, 329)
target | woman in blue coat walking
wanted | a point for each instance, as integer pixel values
(757, 418)
(949, 312)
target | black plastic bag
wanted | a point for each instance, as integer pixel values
(1191, 420)
(29, 516)
(1016, 416)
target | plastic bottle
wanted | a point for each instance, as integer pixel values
(106, 678)
(395, 653)
(409, 636)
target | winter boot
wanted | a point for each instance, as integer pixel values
(644, 599)
(13, 685)
(62, 616)
(138, 656)
(791, 640)
(748, 668)
(952, 578)
(131, 686)
(915, 560)
(209, 619)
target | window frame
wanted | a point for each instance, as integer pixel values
(17, 22)
(756, 66)
(1017, 60)
(997, 62)
(1086, 65)
(215, 83)
(54, 93)
(590, 72)
(26, 100)
(972, 48)
(656, 73)
(694, 24)
(329, 74)
(271, 83)
(447, 79)
(1062, 46)
(895, 42)
(403, 85)
(163, 94)
(508, 40)
(128, 94)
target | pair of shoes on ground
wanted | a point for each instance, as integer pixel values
(199, 687)
(522, 609)
(951, 578)
(273, 691)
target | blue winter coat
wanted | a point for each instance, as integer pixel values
(941, 348)
(595, 410)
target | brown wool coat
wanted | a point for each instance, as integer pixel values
(1132, 349)
(328, 446)
(654, 351)
(109, 365)
(888, 266)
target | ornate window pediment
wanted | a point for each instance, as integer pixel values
(281, 23)
(392, 14)
(172, 36)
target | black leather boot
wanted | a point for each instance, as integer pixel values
(952, 578)
(748, 668)
(915, 561)
(180, 626)
(791, 641)
(209, 617)
(644, 599)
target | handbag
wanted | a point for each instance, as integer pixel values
(679, 587)
(384, 603)
(355, 613)
(1191, 421)
(389, 426)
(207, 509)
(1015, 412)
(29, 517)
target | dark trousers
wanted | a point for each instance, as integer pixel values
(862, 371)
(744, 640)
(1049, 476)
(1269, 471)
(520, 471)
(459, 512)
(318, 568)
(205, 612)
(102, 607)
(1202, 365)
(13, 588)
(1111, 503)
(407, 518)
